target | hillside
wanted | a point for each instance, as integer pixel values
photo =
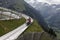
(12, 4)
(34, 27)
(35, 14)
(51, 13)
(9, 25)
(36, 36)
(35, 32)
(48, 12)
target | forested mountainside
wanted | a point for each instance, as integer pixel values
(51, 13)
(12, 4)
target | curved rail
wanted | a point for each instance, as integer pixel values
(15, 33)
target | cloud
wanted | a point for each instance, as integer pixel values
(45, 1)
(50, 1)
(29, 1)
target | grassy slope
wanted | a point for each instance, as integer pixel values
(9, 25)
(34, 27)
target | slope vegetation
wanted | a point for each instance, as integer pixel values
(9, 25)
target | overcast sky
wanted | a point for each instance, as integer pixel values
(46, 1)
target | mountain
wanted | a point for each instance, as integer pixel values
(42, 12)
(51, 13)
(20, 5)
(45, 9)
(12, 4)
(55, 20)
(32, 12)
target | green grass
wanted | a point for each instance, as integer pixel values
(9, 25)
(34, 27)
